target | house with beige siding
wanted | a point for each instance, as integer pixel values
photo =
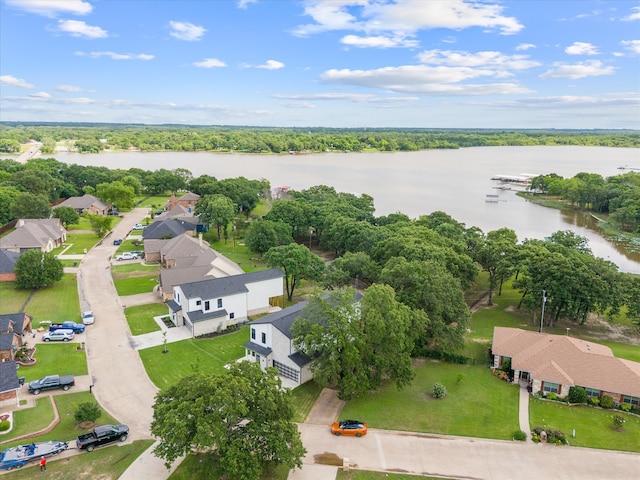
(44, 234)
(555, 363)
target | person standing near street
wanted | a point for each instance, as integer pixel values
(43, 463)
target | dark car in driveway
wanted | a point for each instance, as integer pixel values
(102, 436)
(354, 428)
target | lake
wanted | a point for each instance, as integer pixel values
(417, 183)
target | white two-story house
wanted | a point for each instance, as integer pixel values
(271, 345)
(209, 306)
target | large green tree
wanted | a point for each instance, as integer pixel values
(67, 215)
(36, 269)
(116, 193)
(100, 224)
(297, 262)
(356, 344)
(216, 210)
(261, 235)
(242, 413)
(27, 205)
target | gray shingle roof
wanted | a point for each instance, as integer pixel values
(83, 202)
(199, 315)
(6, 341)
(32, 233)
(8, 376)
(222, 287)
(167, 228)
(283, 319)
(16, 318)
(8, 260)
(259, 349)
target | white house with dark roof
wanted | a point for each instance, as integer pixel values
(271, 345)
(555, 363)
(211, 305)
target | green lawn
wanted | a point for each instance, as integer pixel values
(209, 355)
(592, 425)
(27, 420)
(56, 358)
(624, 350)
(12, 299)
(138, 268)
(79, 243)
(479, 405)
(57, 302)
(202, 466)
(135, 285)
(83, 224)
(304, 397)
(67, 428)
(130, 245)
(140, 318)
(154, 203)
(248, 261)
(108, 463)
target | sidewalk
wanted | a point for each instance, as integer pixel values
(523, 411)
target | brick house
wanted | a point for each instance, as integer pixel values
(86, 204)
(44, 234)
(7, 264)
(188, 201)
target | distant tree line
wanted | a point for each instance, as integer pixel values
(618, 196)
(93, 138)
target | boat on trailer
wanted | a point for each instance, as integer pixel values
(16, 457)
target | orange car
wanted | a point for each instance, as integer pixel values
(349, 427)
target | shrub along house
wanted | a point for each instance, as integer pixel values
(555, 363)
(209, 306)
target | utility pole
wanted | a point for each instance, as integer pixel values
(544, 300)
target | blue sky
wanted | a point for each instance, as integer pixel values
(333, 63)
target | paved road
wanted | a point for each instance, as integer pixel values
(467, 458)
(121, 384)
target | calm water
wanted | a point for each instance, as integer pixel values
(417, 183)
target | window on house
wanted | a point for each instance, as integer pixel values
(592, 392)
(178, 298)
(631, 400)
(264, 337)
(232, 315)
(253, 334)
(219, 303)
(198, 302)
(551, 387)
(207, 305)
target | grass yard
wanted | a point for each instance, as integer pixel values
(140, 318)
(155, 202)
(27, 420)
(57, 302)
(304, 397)
(203, 467)
(240, 254)
(67, 428)
(623, 350)
(135, 285)
(121, 270)
(79, 243)
(12, 299)
(56, 358)
(592, 425)
(83, 224)
(479, 405)
(208, 355)
(107, 463)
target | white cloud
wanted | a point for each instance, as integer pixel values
(592, 68)
(77, 28)
(117, 56)
(440, 80)
(245, 3)
(576, 101)
(11, 81)
(350, 97)
(40, 95)
(186, 31)
(210, 63)
(51, 8)
(377, 42)
(632, 45)
(525, 46)
(68, 88)
(479, 59)
(634, 16)
(581, 48)
(271, 65)
(402, 17)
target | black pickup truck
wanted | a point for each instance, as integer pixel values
(101, 436)
(52, 382)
